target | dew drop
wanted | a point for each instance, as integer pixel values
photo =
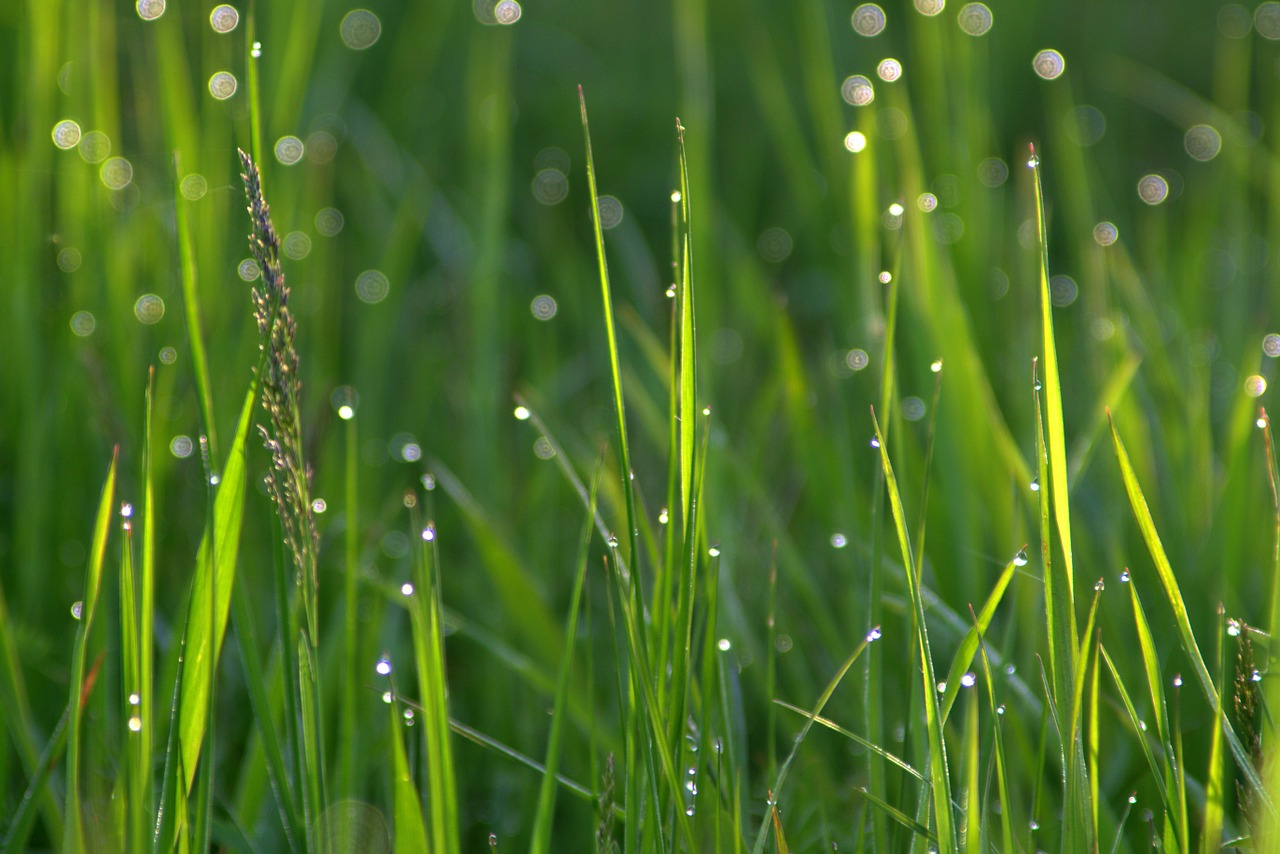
(406, 589)
(1125, 577)
(1035, 484)
(507, 12)
(936, 367)
(550, 186)
(1255, 386)
(889, 70)
(885, 276)
(135, 699)
(1271, 345)
(927, 202)
(855, 141)
(838, 541)
(149, 309)
(868, 20)
(723, 645)
(222, 85)
(1020, 559)
(383, 667)
(1000, 709)
(942, 687)
(1099, 585)
(224, 18)
(329, 221)
(193, 187)
(76, 609)
(429, 532)
(930, 7)
(875, 443)
(359, 29)
(873, 635)
(612, 542)
(1049, 64)
(83, 323)
(1177, 680)
(386, 697)
(522, 413)
(714, 551)
(1255, 676)
(319, 505)
(135, 724)
(663, 518)
(428, 481)
(968, 680)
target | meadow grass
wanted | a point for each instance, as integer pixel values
(888, 454)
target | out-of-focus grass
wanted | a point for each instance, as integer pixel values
(439, 242)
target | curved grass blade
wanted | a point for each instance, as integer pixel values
(15, 840)
(973, 638)
(410, 830)
(1135, 724)
(899, 816)
(73, 830)
(854, 737)
(1174, 595)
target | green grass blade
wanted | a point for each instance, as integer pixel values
(73, 832)
(1174, 596)
(144, 802)
(973, 638)
(854, 737)
(998, 754)
(916, 828)
(939, 779)
(215, 573)
(1079, 830)
(545, 811)
(971, 831)
(1214, 812)
(624, 454)
(410, 831)
(1135, 724)
(427, 628)
(350, 725)
(1059, 601)
(1057, 444)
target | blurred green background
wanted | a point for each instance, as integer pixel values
(452, 149)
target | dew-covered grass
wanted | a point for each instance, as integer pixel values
(890, 466)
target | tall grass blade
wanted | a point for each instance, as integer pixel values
(73, 831)
(211, 594)
(973, 638)
(1189, 645)
(410, 831)
(939, 779)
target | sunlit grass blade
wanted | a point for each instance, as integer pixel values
(133, 784)
(998, 756)
(854, 737)
(1135, 723)
(1059, 601)
(471, 734)
(73, 831)
(410, 831)
(916, 828)
(427, 629)
(971, 830)
(624, 454)
(211, 594)
(973, 638)
(1079, 828)
(350, 721)
(939, 774)
(545, 811)
(1189, 645)
(779, 837)
(1057, 439)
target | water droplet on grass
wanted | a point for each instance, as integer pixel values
(550, 186)
(838, 541)
(610, 212)
(1233, 627)
(372, 286)
(875, 442)
(181, 446)
(222, 85)
(1035, 484)
(663, 518)
(1203, 142)
(224, 18)
(913, 408)
(83, 323)
(1177, 680)
(968, 680)
(612, 542)
(714, 551)
(383, 667)
(543, 449)
(135, 724)
(319, 505)
(723, 645)
(406, 589)
(429, 532)
(522, 413)
(1125, 577)
(873, 635)
(77, 608)
(359, 29)
(94, 146)
(975, 19)
(868, 20)
(857, 91)
(889, 70)
(1255, 386)
(1020, 559)
(1153, 189)
(149, 309)
(66, 134)
(149, 10)
(1049, 64)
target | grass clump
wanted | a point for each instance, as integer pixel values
(702, 614)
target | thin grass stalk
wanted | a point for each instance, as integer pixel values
(73, 831)
(971, 832)
(1057, 440)
(998, 756)
(429, 660)
(146, 708)
(135, 775)
(351, 723)
(1173, 594)
(615, 369)
(1211, 829)
(940, 784)
(1078, 830)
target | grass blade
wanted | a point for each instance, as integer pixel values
(973, 638)
(211, 594)
(410, 831)
(73, 832)
(1173, 594)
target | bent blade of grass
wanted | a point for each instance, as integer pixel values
(15, 840)
(545, 810)
(73, 831)
(215, 574)
(866, 744)
(939, 780)
(1173, 594)
(899, 816)
(973, 638)
(511, 753)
